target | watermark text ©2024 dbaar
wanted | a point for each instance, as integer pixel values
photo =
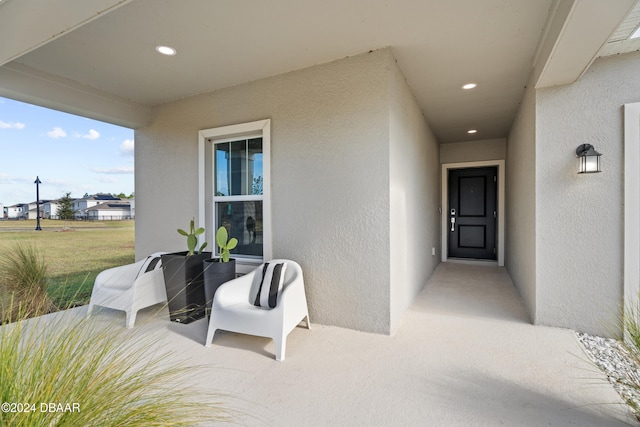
(39, 407)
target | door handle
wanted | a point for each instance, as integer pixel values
(453, 220)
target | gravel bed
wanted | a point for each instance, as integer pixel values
(616, 363)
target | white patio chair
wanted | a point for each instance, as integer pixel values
(130, 287)
(233, 307)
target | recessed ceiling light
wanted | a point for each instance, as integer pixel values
(469, 86)
(472, 131)
(166, 50)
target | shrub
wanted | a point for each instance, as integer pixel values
(92, 374)
(619, 358)
(629, 341)
(23, 284)
(96, 375)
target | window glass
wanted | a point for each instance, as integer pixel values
(238, 167)
(221, 169)
(243, 220)
(254, 148)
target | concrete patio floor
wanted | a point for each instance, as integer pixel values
(465, 354)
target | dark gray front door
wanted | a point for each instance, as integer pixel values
(472, 213)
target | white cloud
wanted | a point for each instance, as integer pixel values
(11, 125)
(123, 170)
(93, 134)
(56, 133)
(13, 180)
(108, 180)
(127, 147)
(6, 179)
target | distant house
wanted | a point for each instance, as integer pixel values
(31, 214)
(50, 208)
(4, 214)
(17, 211)
(30, 211)
(110, 211)
(81, 206)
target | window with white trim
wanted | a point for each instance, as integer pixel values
(238, 184)
(235, 181)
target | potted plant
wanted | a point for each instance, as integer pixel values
(184, 280)
(221, 269)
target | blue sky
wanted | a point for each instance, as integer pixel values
(69, 153)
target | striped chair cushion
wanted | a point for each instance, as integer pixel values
(270, 285)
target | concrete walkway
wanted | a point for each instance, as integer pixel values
(465, 354)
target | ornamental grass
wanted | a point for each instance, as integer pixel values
(23, 284)
(629, 340)
(63, 369)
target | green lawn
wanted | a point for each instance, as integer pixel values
(75, 252)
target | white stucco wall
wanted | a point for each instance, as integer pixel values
(414, 197)
(330, 179)
(580, 217)
(473, 151)
(520, 201)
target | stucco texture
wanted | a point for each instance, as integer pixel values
(520, 201)
(414, 195)
(579, 218)
(473, 151)
(330, 173)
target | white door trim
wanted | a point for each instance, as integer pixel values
(631, 204)
(445, 204)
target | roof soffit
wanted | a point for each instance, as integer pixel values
(574, 34)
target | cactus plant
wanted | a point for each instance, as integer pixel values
(225, 244)
(192, 238)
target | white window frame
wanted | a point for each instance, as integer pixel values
(206, 175)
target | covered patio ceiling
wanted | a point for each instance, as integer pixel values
(98, 58)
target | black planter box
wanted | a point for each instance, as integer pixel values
(215, 274)
(184, 281)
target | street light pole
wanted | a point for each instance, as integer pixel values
(37, 182)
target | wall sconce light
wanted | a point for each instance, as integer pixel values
(589, 159)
